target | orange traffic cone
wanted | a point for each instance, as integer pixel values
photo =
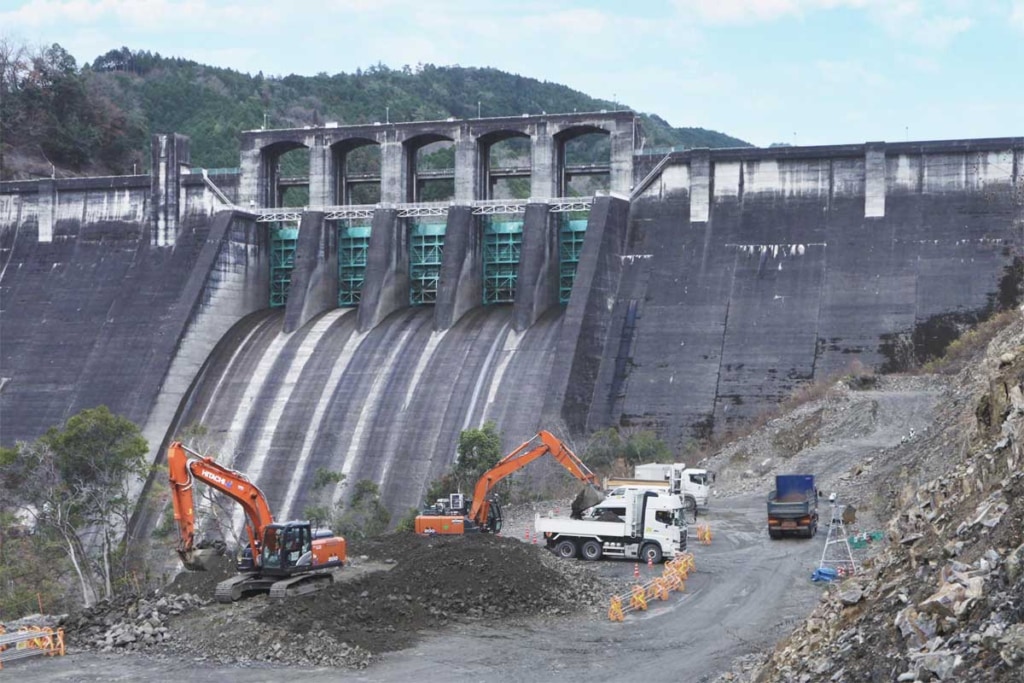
(535, 539)
(636, 570)
(650, 562)
(527, 536)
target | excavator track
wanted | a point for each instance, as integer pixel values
(301, 584)
(237, 587)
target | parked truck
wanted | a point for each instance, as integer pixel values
(793, 506)
(643, 525)
(691, 484)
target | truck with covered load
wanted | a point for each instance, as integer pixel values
(636, 524)
(793, 506)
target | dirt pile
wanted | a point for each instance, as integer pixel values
(395, 588)
(203, 583)
(943, 596)
(436, 581)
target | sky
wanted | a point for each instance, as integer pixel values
(803, 72)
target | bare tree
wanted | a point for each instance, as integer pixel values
(13, 65)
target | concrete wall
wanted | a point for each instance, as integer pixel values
(386, 281)
(460, 284)
(314, 281)
(98, 315)
(583, 340)
(755, 271)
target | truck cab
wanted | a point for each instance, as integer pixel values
(693, 485)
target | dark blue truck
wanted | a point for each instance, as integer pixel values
(793, 506)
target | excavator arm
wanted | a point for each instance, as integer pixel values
(543, 443)
(184, 467)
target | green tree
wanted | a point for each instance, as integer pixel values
(365, 515)
(479, 450)
(611, 447)
(75, 483)
(319, 513)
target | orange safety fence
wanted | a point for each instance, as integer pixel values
(673, 578)
(704, 534)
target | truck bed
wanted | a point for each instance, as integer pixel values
(580, 527)
(799, 508)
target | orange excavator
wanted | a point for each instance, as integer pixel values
(459, 515)
(285, 558)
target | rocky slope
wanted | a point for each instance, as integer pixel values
(942, 596)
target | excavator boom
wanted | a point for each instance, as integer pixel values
(544, 443)
(184, 467)
(484, 515)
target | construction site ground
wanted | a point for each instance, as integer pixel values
(513, 621)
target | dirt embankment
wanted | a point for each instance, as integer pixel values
(397, 588)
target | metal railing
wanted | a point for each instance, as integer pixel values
(29, 642)
(485, 207)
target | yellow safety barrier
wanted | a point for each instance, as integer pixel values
(615, 611)
(638, 600)
(704, 534)
(673, 577)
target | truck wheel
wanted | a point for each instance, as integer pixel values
(690, 504)
(652, 552)
(591, 550)
(774, 535)
(565, 549)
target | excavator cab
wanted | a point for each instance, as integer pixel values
(286, 546)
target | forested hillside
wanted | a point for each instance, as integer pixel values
(59, 117)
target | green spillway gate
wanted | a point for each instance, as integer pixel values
(503, 242)
(570, 244)
(353, 243)
(282, 260)
(426, 246)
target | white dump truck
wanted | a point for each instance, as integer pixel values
(691, 484)
(641, 525)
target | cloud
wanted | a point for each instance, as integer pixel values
(132, 14)
(849, 73)
(934, 24)
(1017, 14)
(750, 11)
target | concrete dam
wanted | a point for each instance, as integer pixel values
(691, 291)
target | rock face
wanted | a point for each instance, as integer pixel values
(943, 598)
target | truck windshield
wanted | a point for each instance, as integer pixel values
(670, 517)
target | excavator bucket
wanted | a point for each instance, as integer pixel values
(198, 559)
(587, 498)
